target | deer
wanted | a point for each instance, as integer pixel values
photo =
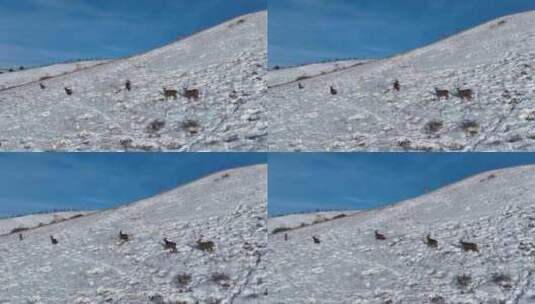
(68, 91)
(53, 240)
(333, 91)
(207, 246)
(167, 244)
(123, 236)
(169, 93)
(396, 85)
(42, 86)
(128, 85)
(431, 242)
(315, 239)
(467, 246)
(379, 236)
(442, 93)
(191, 93)
(465, 94)
(300, 86)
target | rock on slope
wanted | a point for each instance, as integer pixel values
(91, 265)
(496, 60)
(495, 210)
(225, 63)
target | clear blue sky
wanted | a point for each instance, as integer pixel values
(32, 182)
(305, 31)
(301, 182)
(35, 32)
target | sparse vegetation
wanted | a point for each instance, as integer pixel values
(183, 279)
(433, 126)
(470, 127)
(155, 126)
(339, 216)
(280, 229)
(19, 229)
(463, 281)
(191, 126)
(302, 77)
(221, 279)
(502, 280)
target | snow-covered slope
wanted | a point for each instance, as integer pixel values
(496, 60)
(18, 78)
(495, 210)
(293, 221)
(225, 63)
(283, 76)
(32, 221)
(91, 265)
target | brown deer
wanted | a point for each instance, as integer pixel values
(53, 240)
(467, 246)
(379, 236)
(68, 91)
(167, 244)
(442, 93)
(207, 246)
(300, 86)
(191, 93)
(170, 93)
(465, 94)
(315, 239)
(128, 85)
(42, 86)
(431, 242)
(396, 85)
(123, 236)
(333, 91)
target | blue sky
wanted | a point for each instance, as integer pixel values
(300, 182)
(35, 32)
(305, 31)
(31, 182)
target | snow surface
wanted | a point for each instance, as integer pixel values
(35, 220)
(225, 63)
(293, 221)
(19, 78)
(496, 61)
(91, 265)
(495, 210)
(283, 76)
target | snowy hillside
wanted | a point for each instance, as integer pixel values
(494, 210)
(495, 60)
(292, 221)
(22, 223)
(282, 76)
(225, 64)
(90, 264)
(18, 78)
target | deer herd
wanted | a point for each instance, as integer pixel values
(464, 94)
(430, 242)
(190, 94)
(206, 246)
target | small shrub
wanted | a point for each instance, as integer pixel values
(76, 216)
(155, 126)
(191, 126)
(501, 279)
(470, 127)
(339, 216)
(279, 230)
(463, 281)
(45, 78)
(433, 126)
(19, 229)
(221, 279)
(302, 77)
(183, 279)
(438, 300)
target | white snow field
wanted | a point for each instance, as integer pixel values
(495, 210)
(283, 76)
(19, 78)
(7, 225)
(495, 60)
(226, 64)
(91, 265)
